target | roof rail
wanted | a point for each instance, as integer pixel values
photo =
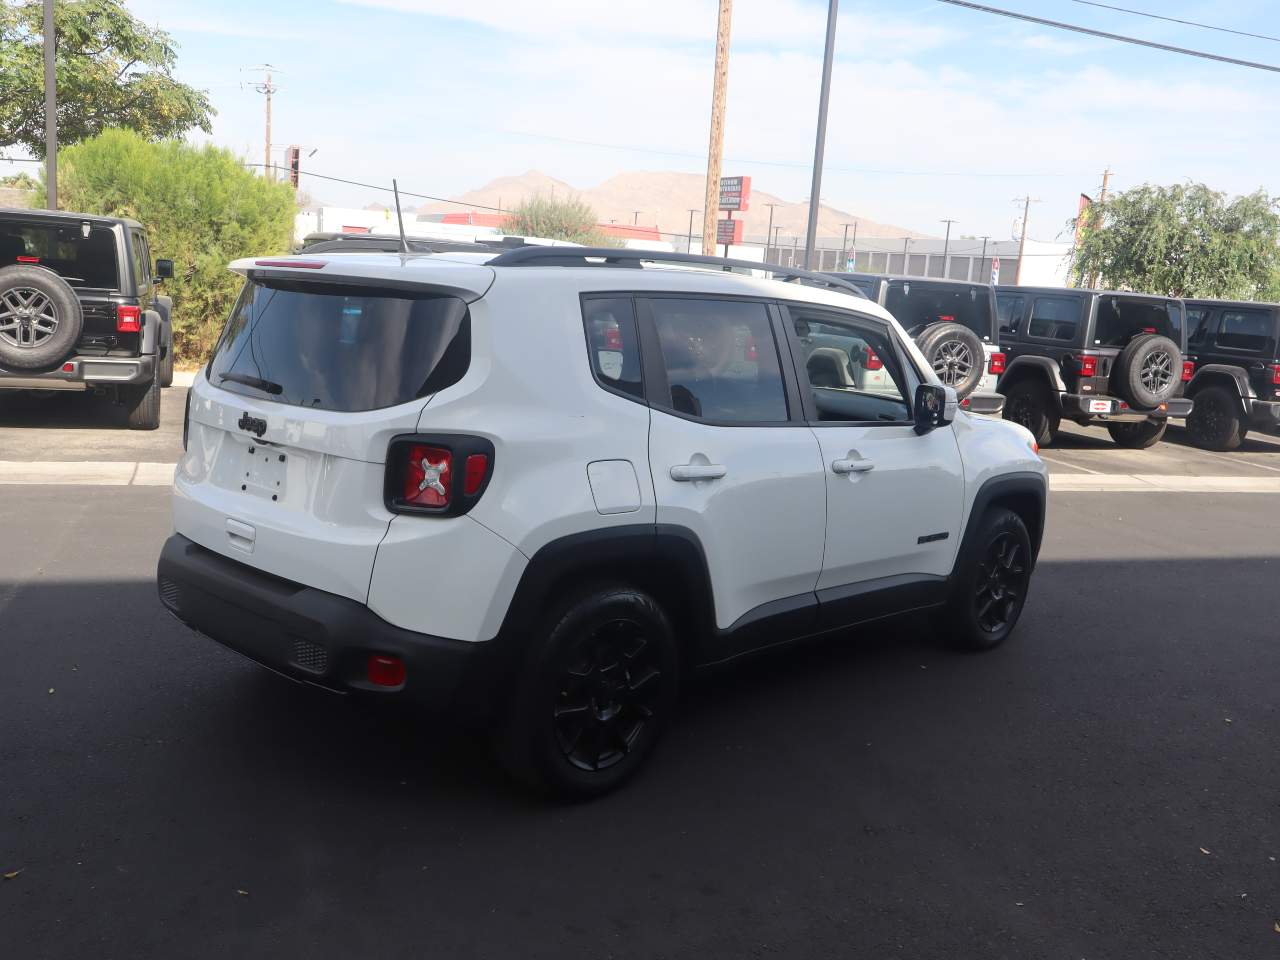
(616, 257)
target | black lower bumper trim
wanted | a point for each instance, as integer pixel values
(317, 637)
(1077, 407)
(1264, 413)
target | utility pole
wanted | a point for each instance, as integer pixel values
(636, 220)
(50, 108)
(844, 245)
(692, 211)
(715, 149)
(266, 88)
(1102, 200)
(776, 231)
(1022, 242)
(906, 257)
(820, 144)
(946, 245)
(768, 233)
(982, 259)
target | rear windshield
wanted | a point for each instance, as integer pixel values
(917, 304)
(339, 347)
(1120, 319)
(63, 248)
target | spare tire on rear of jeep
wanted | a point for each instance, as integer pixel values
(40, 318)
(955, 354)
(1148, 371)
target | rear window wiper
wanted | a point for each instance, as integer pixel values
(266, 386)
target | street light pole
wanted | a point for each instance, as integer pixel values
(811, 233)
(50, 108)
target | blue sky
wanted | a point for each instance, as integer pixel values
(936, 111)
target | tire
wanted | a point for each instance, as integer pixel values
(991, 582)
(142, 405)
(1148, 371)
(1215, 422)
(1029, 403)
(955, 353)
(1138, 436)
(610, 645)
(166, 366)
(40, 318)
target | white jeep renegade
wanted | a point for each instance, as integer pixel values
(537, 488)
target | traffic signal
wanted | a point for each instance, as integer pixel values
(291, 156)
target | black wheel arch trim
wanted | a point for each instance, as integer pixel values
(1020, 367)
(1212, 374)
(1027, 490)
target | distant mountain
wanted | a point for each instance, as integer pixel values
(665, 199)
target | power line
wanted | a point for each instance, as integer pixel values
(1059, 25)
(1186, 23)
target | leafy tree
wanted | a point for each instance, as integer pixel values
(1182, 241)
(557, 219)
(112, 70)
(19, 181)
(202, 209)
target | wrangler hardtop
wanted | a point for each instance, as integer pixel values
(1234, 346)
(80, 309)
(1099, 357)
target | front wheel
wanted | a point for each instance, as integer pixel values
(596, 692)
(1138, 436)
(991, 583)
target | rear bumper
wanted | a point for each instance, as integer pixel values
(319, 638)
(83, 372)
(1264, 413)
(1078, 407)
(988, 404)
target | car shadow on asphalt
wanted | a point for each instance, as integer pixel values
(63, 410)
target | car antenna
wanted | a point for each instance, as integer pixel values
(404, 244)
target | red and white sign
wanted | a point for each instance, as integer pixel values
(995, 269)
(729, 231)
(735, 192)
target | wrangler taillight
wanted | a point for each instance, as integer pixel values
(1275, 374)
(1189, 370)
(997, 363)
(1088, 365)
(128, 318)
(873, 361)
(437, 474)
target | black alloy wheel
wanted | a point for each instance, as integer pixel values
(993, 576)
(610, 689)
(1002, 584)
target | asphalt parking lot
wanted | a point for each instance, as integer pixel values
(1105, 785)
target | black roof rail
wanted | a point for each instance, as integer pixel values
(541, 256)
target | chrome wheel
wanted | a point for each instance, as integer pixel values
(1157, 373)
(27, 317)
(608, 696)
(953, 362)
(1002, 579)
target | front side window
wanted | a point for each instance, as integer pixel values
(1054, 318)
(721, 360)
(853, 372)
(1250, 330)
(341, 347)
(613, 344)
(1198, 325)
(1120, 319)
(141, 268)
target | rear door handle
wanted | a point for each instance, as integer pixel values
(685, 472)
(852, 466)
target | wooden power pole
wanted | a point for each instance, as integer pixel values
(266, 88)
(1022, 241)
(715, 150)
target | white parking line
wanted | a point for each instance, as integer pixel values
(1161, 483)
(1247, 463)
(1064, 463)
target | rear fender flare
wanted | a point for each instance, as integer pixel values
(1222, 374)
(1020, 367)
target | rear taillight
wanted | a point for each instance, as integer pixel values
(1189, 370)
(1275, 374)
(444, 474)
(1088, 365)
(997, 363)
(27, 259)
(873, 361)
(128, 318)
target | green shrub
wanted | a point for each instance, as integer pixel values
(202, 208)
(557, 219)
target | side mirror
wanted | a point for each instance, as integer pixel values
(164, 269)
(935, 406)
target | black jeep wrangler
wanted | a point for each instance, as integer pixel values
(79, 310)
(1093, 357)
(1235, 347)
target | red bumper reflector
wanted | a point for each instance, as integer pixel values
(386, 671)
(68, 367)
(27, 259)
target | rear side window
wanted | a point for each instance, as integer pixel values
(1121, 319)
(721, 360)
(613, 344)
(1054, 318)
(83, 261)
(338, 347)
(1009, 310)
(1251, 330)
(917, 305)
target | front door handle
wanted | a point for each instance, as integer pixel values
(852, 466)
(685, 472)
